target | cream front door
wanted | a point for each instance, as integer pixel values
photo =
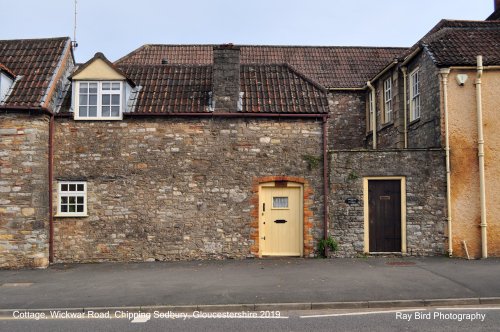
(280, 228)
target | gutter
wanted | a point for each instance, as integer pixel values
(480, 147)
(374, 115)
(411, 56)
(385, 70)
(17, 108)
(229, 115)
(444, 78)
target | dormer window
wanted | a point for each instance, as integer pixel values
(99, 100)
(6, 81)
(100, 90)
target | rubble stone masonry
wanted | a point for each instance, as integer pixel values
(179, 188)
(23, 190)
(425, 197)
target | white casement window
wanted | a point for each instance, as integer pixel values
(370, 112)
(387, 100)
(98, 100)
(414, 95)
(72, 199)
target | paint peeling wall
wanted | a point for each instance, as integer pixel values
(465, 198)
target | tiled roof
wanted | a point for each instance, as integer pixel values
(459, 42)
(171, 89)
(332, 67)
(274, 88)
(36, 61)
(280, 89)
(460, 47)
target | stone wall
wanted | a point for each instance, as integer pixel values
(347, 123)
(425, 191)
(23, 190)
(390, 134)
(426, 131)
(178, 188)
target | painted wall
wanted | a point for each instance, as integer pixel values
(464, 161)
(24, 190)
(175, 188)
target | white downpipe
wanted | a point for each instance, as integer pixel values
(374, 115)
(405, 108)
(480, 147)
(444, 78)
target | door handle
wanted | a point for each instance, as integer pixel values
(263, 238)
(280, 221)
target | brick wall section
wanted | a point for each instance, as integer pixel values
(425, 190)
(23, 190)
(426, 131)
(176, 188)
(347, 123)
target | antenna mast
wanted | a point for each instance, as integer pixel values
(75, 44)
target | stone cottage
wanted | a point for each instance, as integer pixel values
(221, 151)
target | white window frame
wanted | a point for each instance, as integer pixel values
(415, 95)
(370, 112)
(99, 101)
(388, 100)
(71, 194)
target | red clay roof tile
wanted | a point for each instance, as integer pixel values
(36, 61)
(332, 67)
(276, 88)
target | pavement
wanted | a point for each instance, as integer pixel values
(255, 284)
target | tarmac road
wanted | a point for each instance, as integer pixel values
(481, 318)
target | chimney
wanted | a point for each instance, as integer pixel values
(226, 78)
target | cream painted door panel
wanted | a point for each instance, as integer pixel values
(280, 221)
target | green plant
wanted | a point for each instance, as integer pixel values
(352, 176)
(312, 161)
(329, 243)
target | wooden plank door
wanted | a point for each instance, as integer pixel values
(384, 199)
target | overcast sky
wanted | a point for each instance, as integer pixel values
(117, 27)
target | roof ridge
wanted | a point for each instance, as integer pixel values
(182, 65)
(265, 45)
(306, 78)
(33, 39)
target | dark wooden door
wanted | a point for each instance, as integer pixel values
(384, 199)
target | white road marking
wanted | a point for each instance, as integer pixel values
(364, 313)
(469, 308)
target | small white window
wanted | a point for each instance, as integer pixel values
(414, 95)
(98, 100)
(387, 100)
(370, 112)
(280, 202)
(72, 199)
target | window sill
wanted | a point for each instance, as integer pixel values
(412, 122)
(98, 119)
(386, 125)
(71, 215)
